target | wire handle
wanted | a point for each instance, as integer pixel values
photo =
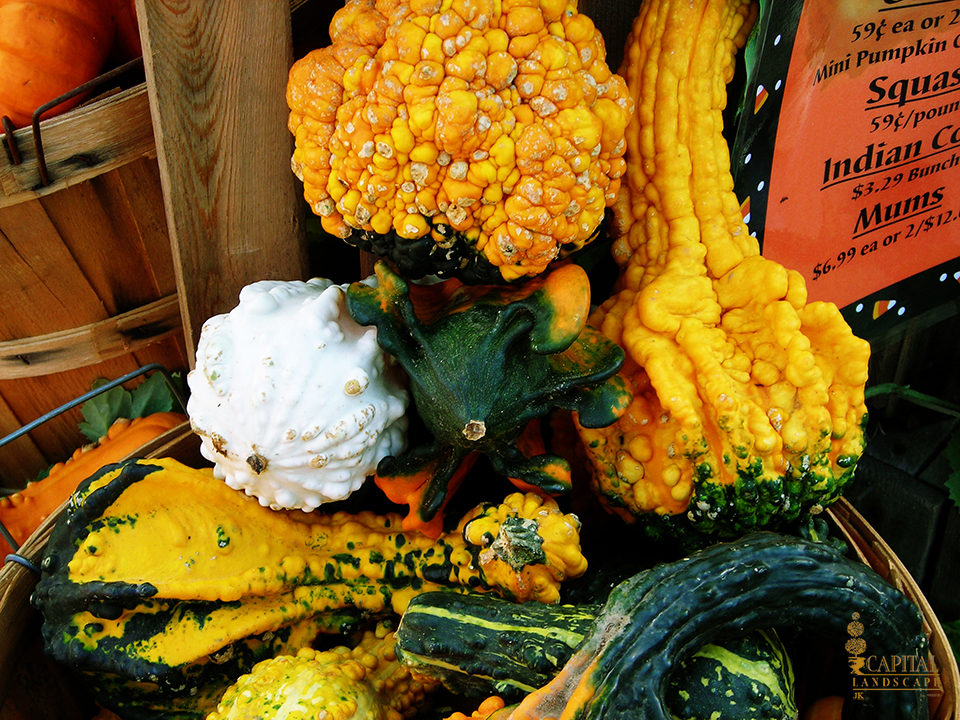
(59, 100)
(154, 367)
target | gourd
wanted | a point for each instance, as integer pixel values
(480, 646)
(22, 512)
(483, 362)
(492, 708)
(294, 402)
(746, 675)
(748, 401)
(476, 140)
(161, 585)
(477, 646)
(660, 617)
(363, 682)
(47, 48)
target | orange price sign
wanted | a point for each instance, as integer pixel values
(862, 188)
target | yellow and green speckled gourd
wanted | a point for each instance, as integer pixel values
(363, 682)
(162, 585)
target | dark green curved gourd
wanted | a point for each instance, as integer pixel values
(483, 362)
(482, 645)
(662, 616)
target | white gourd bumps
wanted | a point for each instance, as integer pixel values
(295, 402)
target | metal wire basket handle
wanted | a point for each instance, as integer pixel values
(152, 367)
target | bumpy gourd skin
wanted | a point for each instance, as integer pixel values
(162, 585)
(748, 403)
(22, 512)
(363, 682)
(475, 139)
(293, 401)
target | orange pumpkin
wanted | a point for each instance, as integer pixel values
(47, 48)
(126, 45)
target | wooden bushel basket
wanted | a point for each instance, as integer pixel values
(88, 285)
(34, 687)
(873, 551)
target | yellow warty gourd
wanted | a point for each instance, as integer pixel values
(364, 682)
(161, 585)
(468, 138)
(748, 400)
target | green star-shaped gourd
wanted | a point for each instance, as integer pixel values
(483, 362)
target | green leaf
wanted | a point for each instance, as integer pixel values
(151, 396)
(952, 453)
(101, 411)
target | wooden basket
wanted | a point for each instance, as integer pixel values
(33, 687)
(873, 551)
(88, 288)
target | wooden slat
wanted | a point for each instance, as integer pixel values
(90, 344)
(79, 145)
(90, 219)
(112, 228)
(144, 198)
(216, 73)
(168, 352)
(17, 456)
(42, 288)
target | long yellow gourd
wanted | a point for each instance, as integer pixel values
(24, 511)
(161, 584)
(748, 400)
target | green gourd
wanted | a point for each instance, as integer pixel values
(483, 362)
(481, 645)
(660, 617)
(625, 667)
(747, 676)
